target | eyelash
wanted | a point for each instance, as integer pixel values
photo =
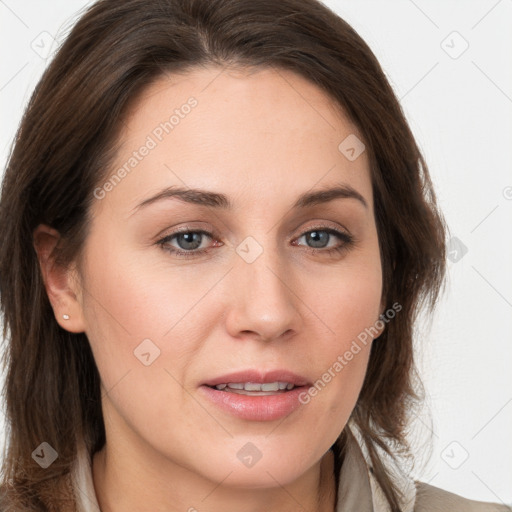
(348, 241)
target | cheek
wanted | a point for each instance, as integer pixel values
(121, 308)
(137, 296)
(348, 301)
(348, 308)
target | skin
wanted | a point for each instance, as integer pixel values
(262, 138)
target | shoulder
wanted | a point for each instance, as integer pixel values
(433, 499)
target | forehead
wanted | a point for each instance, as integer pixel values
(266, 134)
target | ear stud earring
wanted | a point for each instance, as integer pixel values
(66, 317)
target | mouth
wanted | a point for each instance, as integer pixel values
(252, 395)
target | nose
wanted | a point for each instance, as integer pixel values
(263, 303)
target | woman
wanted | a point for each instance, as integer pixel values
(217, 230)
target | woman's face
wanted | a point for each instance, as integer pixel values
(213, 254)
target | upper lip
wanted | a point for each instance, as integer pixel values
(258, 376)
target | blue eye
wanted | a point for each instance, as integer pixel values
(187, 243)
(317, 239)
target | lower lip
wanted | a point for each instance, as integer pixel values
(256, 408)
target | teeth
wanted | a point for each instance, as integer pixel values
(251, 386)
(270, 386)
(255, 386)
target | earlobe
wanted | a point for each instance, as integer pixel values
(60, 284)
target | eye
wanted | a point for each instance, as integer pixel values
(190, 240)
(187, 242)
(326, 240)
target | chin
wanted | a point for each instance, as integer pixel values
(250, 469)
(262, 477)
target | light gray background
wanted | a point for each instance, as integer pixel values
(459, 104)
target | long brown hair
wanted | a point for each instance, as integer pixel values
(63, 149)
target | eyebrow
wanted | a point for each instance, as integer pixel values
(218, 200)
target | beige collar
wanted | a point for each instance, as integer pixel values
(358, 489)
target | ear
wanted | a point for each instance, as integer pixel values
(61, 282)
